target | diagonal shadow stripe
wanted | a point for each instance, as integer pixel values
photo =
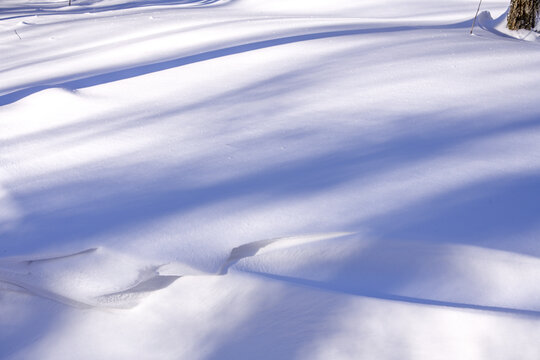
(85, 7)
(123, 74)
(384, 296)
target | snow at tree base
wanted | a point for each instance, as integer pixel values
(268, 179)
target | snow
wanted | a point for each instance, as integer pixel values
(190, 179)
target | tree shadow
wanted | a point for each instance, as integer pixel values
(351, 289)
(40, 8)
(33, 315)
(99, 198)
(495, 209)
(117, 75)
(489, 214)
(103, 200)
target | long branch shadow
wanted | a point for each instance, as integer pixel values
(92, 6)
(123, 74)
(347, 289)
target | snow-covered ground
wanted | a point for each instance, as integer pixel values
(268, 179)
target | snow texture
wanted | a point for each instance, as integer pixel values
(268, 179)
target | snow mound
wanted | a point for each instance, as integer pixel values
(92, 278)
(102, 278)
(183, 146)
(498, 26)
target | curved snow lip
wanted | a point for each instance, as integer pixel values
(498, 27)
(45, 276)
(150, 280)
(33, 274)
(27, 274)
(267, 245)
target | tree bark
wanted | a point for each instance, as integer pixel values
(523, 14)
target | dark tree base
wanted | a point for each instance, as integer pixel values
(523, 14)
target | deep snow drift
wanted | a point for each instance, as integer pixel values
(268, 179)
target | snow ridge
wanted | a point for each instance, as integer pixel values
(19, 273)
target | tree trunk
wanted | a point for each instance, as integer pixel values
(523, 14)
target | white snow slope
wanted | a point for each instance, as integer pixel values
(268, 179)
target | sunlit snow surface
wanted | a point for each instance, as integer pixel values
(268, 179)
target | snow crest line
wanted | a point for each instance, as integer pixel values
(23, 274)
(20, 273)
(258, 247)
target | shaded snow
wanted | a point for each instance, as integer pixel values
(267, 179)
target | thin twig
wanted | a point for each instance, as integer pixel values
(16, 33)
(477, 11)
